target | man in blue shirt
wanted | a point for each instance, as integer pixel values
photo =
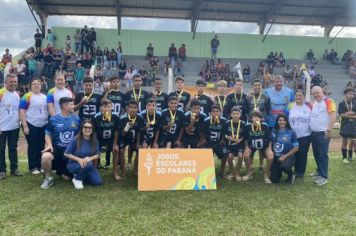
(61, 129)
(280, 96)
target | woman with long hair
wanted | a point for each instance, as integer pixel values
(284, 145)
(81, 152)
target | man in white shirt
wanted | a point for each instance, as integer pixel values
(9, 125)
(322, 119)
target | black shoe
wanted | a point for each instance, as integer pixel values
(291, 179)
(15, 173)
(107, 166)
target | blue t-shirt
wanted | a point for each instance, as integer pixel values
(84, 151)
(279, 101)
(285, 141)
(62, 129)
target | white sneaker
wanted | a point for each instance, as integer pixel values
(345, 161)
(314, 174)
(35, 172)
(78, 184)
(267, 180)
(321, 181)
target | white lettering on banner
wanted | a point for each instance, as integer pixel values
(170, 163)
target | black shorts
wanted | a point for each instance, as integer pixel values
(348, 130)
(59, 162)
(219, 149)
(190, 142)
(163, 140)
(106, 145)
(260, 150)
(235, 149)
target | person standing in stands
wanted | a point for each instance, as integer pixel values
(299, 113)
(60, 130)
(34, 117)
(79, 74)
(9, 125)
(322, 120)
(182, 52)
(214, 43)
(347, 112)
(38, 39)
(51, 37)
(82, 151)
(172, 53)
(280, 96)
(56, 93)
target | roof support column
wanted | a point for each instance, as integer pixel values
(194, 16)
(327, 30)
(118, 15)
(261, 26)
(43, 18)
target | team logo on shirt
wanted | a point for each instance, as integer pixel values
(66, 136)
(286, 99)
(278, 147)
(74, 125)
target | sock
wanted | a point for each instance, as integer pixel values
(350, 154)
(344, 153)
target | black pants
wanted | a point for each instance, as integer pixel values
(279, 167)
(301, 156)
(11, 137)
(36, 142)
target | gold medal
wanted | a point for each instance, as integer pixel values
(173, 116)
(132, 120)
(233, 135)
(153, 121)
(179, 95)
(214, 120)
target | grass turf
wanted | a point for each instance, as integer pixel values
(247, 208)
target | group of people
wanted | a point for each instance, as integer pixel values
(67, 133)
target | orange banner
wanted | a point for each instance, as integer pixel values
(176, 169)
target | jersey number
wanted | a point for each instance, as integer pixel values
(257, 143)
(89, 110)
(116, 108)
(106, 134)
(173, 129)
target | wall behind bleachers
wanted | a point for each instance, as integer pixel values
(134, 42)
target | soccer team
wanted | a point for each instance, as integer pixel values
(232, 125)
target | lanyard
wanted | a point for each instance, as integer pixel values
(173, 116)
(179, 94)
(258, 127)
(236, 137)
(137, 98)
(222, 105)
(153, 121)
(255, 102)
(349, 108)
(238, 101)
(133, 120)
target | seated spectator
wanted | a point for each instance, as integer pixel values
(333, 57)
(172, 53)
(7, 57)
(106, 55)
(149, 51)
(288, 72)
(178, 69)
(77, 40)
(326, 55)
(68, 43)
(182, 52)
(154, 64)
(281, 59)
(69, 77)
(22, 78)
(220, 66)
(167, 65)
(246, 73)
(312, 72)
(119, 54)
(129, 78)
(113, 58)
(311, 57)
(144, 75)
(270, 59)
(122, 69)
(99, 56)
(108, 72)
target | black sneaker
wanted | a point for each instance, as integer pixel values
(291, 179)
(107, 166)
(15, 173)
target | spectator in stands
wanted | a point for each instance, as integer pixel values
(167, 65)
(333, 57)
(79, 73)
(144, 75)
(7, 57)
(69, 77)
(281, 59)
(122, 69)
(119, 54)
(172, 53)
(129, 78)
(77, 41)
(182, 52)
(99, 56)
(38, 39)
(149, 51)
(32, 67)
(311, 57)
(214, 44)
(92, 39)
(113, 58)
(311, 72)
(322, 120)
(9, 125)
(270, 59)
(85, 44)
(38, 55)
(178, 69)
(288, 73)
(51, 37)
(21, 75)
(220, 67)
(67, 43)
(246, 73)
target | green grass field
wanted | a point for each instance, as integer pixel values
(251, 208)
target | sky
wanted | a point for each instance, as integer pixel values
(17, 26)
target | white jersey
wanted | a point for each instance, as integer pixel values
(36, 108)
(9, 110)
(299, 117)
(55, 94)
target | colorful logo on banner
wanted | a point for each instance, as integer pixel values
(176, 169)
